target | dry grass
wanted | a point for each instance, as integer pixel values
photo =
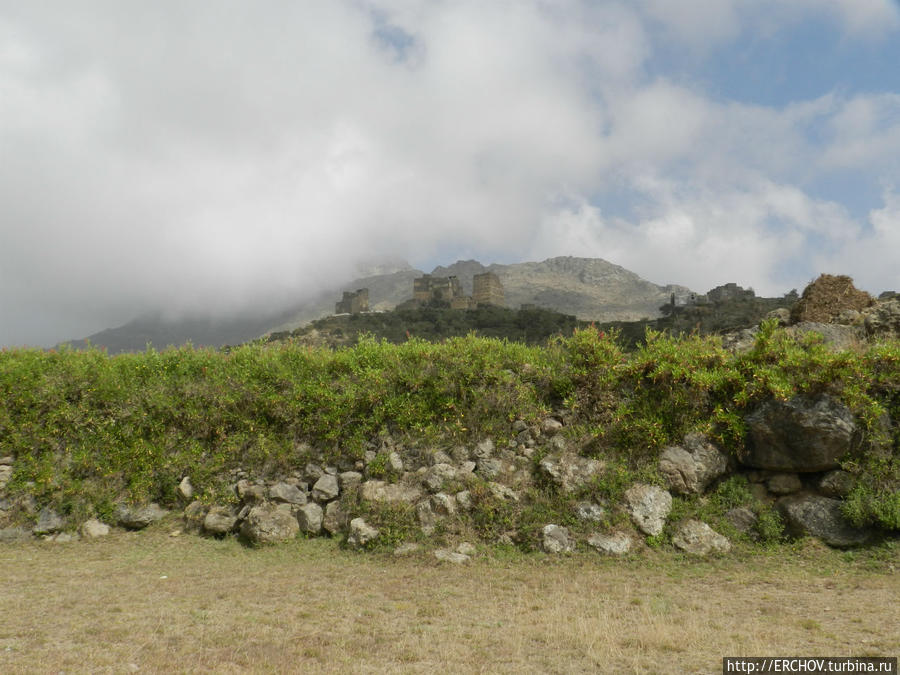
(147, 602)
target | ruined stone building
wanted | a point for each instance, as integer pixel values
(441, 289)
(353, 303)
(487, 290)
(729, 291)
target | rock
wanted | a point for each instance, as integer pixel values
(14, 535)
(610, 544)
(312, 472)
(782, 315)
(360, 533)
(489, 468)
(550, 426)
(459, 454)
(48, 522)
(139, 517)
(556, 539)
(193, 516)
(524, 438)
(395, 463)
(407, 549)
(219, 521)
(740, 341)
(350, 481)
(437, 475)
(250, 493)
(784, 484)
(379, 491)
(94, 529)
(326, 488)
(464, 500)
(837, 483)
(698, 538)
(570, 472)
(446, 555)
(6, 460)
(185, 490)
(286, 493)
(558, 444)
(690, 468)
(743, 519)
(269, 524)
(801, 435)
(820, 517)
(590, 511)
(648, 506)
(441, 457)
(426, 516)
(309, 517)
(335, 518)
(465, 469)
(5, 475)
(62, 538)
(443, 505)
(483, 450)
(466, 548)
(501, 492)
(519, 426)
(883, 320)
(836, 337)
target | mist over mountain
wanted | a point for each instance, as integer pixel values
(588, 288)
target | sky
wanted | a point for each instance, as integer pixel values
(222, 157)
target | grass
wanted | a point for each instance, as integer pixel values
(150, 602)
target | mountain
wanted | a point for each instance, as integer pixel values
(588, 288)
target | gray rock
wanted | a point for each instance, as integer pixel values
(286, 493)
(743, 519)
(14, 535)
(883, 320)
(193, 516)
(555, 539)
(590, 511)
(426, 516)
(380, 491)
(441, 457)
(443, 505)
(550, 426)
(269, 524)
(784, 484)
(464, 500)
(459, 454)
(519, 426)
(698, 538)
(49, 522)
(309, 517)
(407, 549)
(62, 538)
(782, 315)
(689, 468)
(648, 506)
(611, 544)
(6, 460)
(326, 488)
(502, 492)
(437, 475)
(837, 483)
(350, 481)
(466, 548)
(361, 533)
(837, 337)
(820, 517)
(489, 468)
(483, 450)
(139, 517)
(94, 529)
(801, 435)
(395, 462)
(185, 490)
(524, 438)
(250, 493)
(5, 475)
(740, 341)
(312, 472)
(558, 444)
(446, 555)
(570, 472)
(219, 521)
(335, 518)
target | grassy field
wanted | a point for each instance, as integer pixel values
(151, 602)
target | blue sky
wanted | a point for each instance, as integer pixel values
(223, 157)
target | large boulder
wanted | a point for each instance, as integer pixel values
(269, 524)
(618, 543)
(698, 538)
(309, 517)
(219, 521)
(836, 337)
(380, 491)
(883, 320)
(361, 533)
(648, 506)
(820, 517)
(690, 467)
(555, 539)
(802, 434)
(94, 529)
(139, 517)
(287, 493)
(326, 488)
(570, 472)
(49, 522)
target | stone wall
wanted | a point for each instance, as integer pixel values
(487, 290)
(353, 303)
